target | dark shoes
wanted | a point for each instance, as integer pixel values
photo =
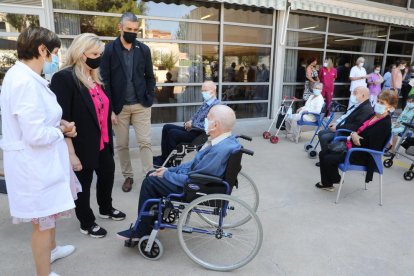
(114, 214)
(326, 188)
(128, 234)
(95, 231)
(318, 164)
(127, 186)
(157, 161)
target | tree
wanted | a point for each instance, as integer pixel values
(108, 26)
(22, 21)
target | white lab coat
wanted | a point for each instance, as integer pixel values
(36, 158)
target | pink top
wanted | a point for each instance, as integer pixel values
(366, 124)
(327, 77)
(101, 103)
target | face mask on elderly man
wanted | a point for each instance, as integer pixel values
(206, 95)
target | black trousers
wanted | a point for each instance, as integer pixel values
(173, 135)
(105, 181)
(325, 137)
(329, 162)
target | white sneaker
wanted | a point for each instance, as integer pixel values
(53, 274)
(61, 252)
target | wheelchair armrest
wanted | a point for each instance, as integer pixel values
(317, 115)
(409, 125)
(342, 130)
(203, 178)
(376, 155)
(246, 151)
(339, 138)
(245, 137)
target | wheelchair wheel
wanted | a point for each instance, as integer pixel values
(214, 247)
(247, 192)
(155, 252)
(312, 154)
(308, 146)
(388, 163)
(409, 175)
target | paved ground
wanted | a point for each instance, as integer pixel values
(305, 233)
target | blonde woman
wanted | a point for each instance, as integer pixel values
(358, 77)
(79, 91)
(327, 76)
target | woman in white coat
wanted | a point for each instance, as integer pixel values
(314, 104)
(36, 159)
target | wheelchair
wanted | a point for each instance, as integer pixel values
(246, 189)
(322, 122)
(215, 229)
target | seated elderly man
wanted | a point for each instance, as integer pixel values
(173, 135)
(210, 160)
(314, 105)
(353, 118)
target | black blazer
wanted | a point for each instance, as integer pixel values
(357, 117)
(113, 72)
(375, 138)
(77, 106)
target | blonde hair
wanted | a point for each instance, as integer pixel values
(74, 57)
(330, 63)
(360, 60)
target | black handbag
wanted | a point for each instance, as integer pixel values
(338, 147)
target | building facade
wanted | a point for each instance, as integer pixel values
(253, 49)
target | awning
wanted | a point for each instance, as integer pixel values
(358, 10)
(271, 4)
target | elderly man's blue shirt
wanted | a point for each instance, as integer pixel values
(210, 161)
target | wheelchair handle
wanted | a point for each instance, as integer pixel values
(246, 151)
(247, 138)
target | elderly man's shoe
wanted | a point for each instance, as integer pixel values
(323, 187)
(127, 186)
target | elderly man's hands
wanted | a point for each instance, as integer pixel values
(188, 125)
(332, 127)
(159, 172)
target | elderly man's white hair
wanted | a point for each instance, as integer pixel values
(210, 86)
(318, 84)
(224, 116)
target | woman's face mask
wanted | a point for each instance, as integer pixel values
(49, 68)
(380, 109)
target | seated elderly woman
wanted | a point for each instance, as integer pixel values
(314, 104)
(373, 134)
(397, 127)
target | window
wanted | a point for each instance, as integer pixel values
(251, 15)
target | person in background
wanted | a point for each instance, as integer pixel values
(128, 76)
(327, 75)
(173, 135)
(78, 88)
(358, 76)
(36, 159)
(406, 116)
(398, 74)
(311, 77)
(372, 134)
(387, 78)
(374, 84)
(353, 118)
(314, 104)
(406, 86)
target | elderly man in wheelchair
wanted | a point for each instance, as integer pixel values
(197, 193)
(172, 135)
